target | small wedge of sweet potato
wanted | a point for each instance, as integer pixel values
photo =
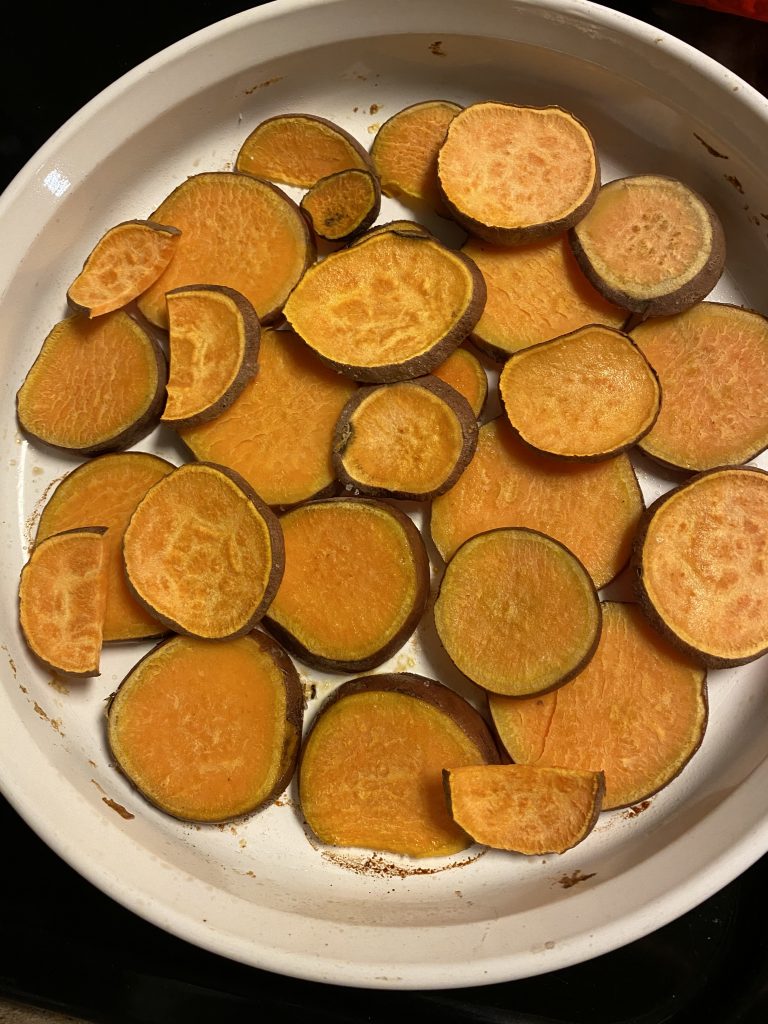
(464, 372)
(370, 771)
(205, 731)
(343, 205)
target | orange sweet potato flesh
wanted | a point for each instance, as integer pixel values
(62, 597)
(203, 553)
(214, 345)
(712, 362)
(208, 731)
(512, 174)
(355, 585)
(525, 808)
(342, 205)
(650, 244)
(278, 434)
(593, 508)
(371, 764)
(464, 372)
(236, 231)
(698, 562)
(299, 149)
(391, 307)
(123, 264)
(536, 292)
(107, 489)
(96, 385)
(587, 395)
(637, 712)
(507, 643)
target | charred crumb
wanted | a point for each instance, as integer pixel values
(436, 48)
(733, 180)
(636, 809)
(567, 881)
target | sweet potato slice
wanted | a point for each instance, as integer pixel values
(125, 261)
(237, 231)
(343, 205)
(278, 434)
(407, 440)
(712, 363)
(637, 712)
(464, 372)
(513, 174)
(207, 731)
(517, 612)
(588, 395)
(203, 553)
(593, 508)
(404, 227)
(524, 808)
(355, 585)
(96, 385)
(699, 561)
(536, 292)
(106, 490)
(299, 149)
(389, 308)
(213, 339)
(371, 764)
(405, 149)
(62, 597)
(650, 244)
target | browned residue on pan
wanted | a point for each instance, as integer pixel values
(710, 149)
(118, 807)
(567, 881)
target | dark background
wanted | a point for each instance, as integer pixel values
(68, 947)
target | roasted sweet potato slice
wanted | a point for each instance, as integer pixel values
(699, 560)
(355, 586)
(106, 490)
(405, 227)
(650, 244)
(96, 385)
(278, 434)
(213, 337)
(389, 308)
(517, 612)
(371, 764)
(588, 395)
(125, 261)
(637, 712)
(712, 363)
(593, 508)
(405, 149)
(299, 149)
(207, 731)
(342, 205)
(464, 372)
(536, 292)
(524, 808)
(62, 597)
(203, 553)
(513, 174)
(237, 231)
(407, 440)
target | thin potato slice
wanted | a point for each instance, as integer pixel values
(699, 562)
(404, 227)
(391, 307)
(125, 261)
(207, 731)
(342, 205)
(650, 244)
(712, 363)
(203, 553)
(371, 764)
(517, 613)
(355, 586)
(588, 395)
(637, 712)
(464, 372)
(513, 174)
(593, 508)
(62, 597)
(236, 231)
(524, 808)
(213, 336)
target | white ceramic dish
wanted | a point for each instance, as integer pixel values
(259, 891)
